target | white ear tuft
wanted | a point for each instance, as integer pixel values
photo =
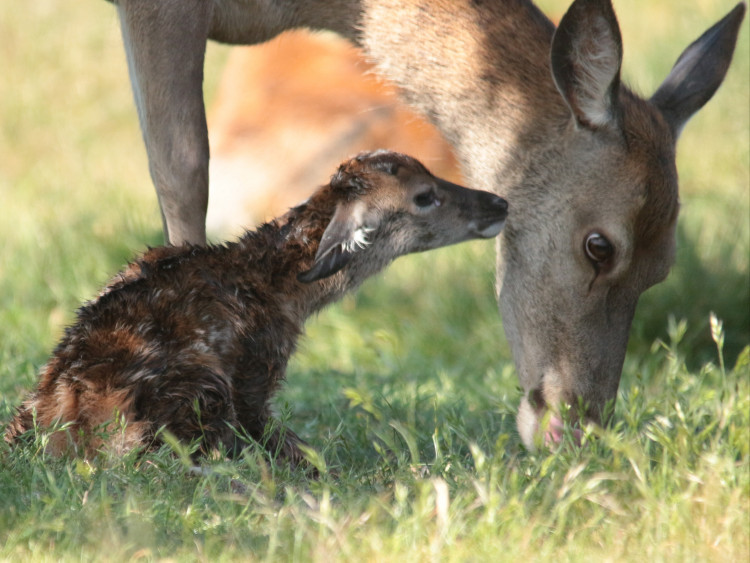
(345, 235)
(358, 240)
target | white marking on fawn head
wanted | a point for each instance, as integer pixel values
(358, 240)
(345, 235)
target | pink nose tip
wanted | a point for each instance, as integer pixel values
(554, 433)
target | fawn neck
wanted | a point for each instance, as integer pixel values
(276, 252)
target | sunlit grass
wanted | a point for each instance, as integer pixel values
(406, 390)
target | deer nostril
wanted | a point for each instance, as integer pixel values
(497, 203)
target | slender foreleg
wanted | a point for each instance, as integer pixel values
(165, 43)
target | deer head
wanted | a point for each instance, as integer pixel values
(388, 205)
(536, 115)
(594, 216)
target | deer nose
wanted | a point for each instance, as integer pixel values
(490, 214)
(496, 203)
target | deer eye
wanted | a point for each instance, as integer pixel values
(598, 249)
(425, 199)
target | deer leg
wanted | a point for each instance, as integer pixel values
(278, 441)
(192, 401)
(165, 43)
(285, 444)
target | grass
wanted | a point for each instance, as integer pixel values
(418, 432)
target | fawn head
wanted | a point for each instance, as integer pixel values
(388, 204)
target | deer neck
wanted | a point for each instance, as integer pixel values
(479, 72)
(273, 255)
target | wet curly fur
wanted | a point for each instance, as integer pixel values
(196, 340)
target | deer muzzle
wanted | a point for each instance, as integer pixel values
(492, 210)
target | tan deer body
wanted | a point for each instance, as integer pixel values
(196, 339)
(537, 115)
(285, 113)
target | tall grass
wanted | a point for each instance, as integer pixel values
(406, 390)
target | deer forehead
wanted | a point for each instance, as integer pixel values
(392, 192)
(629, 177)
(652, 160)
(635, 204)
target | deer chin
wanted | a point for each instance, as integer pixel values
(542, 428)
(554, 433)
(488, 231)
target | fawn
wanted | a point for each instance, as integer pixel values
(196, 339)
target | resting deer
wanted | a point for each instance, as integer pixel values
(196, 339)
(536, 114)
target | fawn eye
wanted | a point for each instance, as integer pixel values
(425, 199)
(598, 249)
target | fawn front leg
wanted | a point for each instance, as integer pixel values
(284, 443)
(280, 442)
(165, 43)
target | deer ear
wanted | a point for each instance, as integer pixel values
(699, 71)
(345, 235)
(586, 55)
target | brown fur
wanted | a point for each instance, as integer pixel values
(536, 114)
(196, 339)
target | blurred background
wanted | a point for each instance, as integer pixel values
(287, 113)
(76, 201)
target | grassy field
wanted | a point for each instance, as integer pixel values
(405, 390)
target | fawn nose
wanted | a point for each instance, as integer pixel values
(497, 204)
(491, 213)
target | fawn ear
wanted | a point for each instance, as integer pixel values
(345, 235)
(699, 71)
(586, 55)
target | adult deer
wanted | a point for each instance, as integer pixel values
(536, 115)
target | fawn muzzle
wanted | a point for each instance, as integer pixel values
(485, 211)
(492, 210)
